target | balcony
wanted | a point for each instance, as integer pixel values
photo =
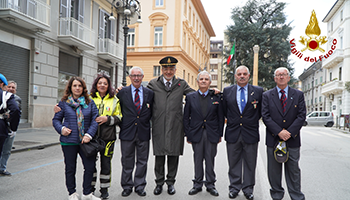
(29, 14)
(333, 87)
(334, 59)
(74, 33)
(109, 50)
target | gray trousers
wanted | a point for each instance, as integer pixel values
(159, 169)
(206, 151)
(128, 162)
(292, 174)
(242, 156)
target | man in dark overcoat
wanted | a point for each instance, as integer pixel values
(167, 126)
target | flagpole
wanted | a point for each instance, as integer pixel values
(234, 62)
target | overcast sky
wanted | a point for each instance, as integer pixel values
(298, 12)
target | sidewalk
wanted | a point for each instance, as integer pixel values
(35, 138)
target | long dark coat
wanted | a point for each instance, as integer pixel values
(167, 116)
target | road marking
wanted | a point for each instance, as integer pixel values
(44, 165)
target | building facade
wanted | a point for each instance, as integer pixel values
(337, 65)
(170, 28)
(312, 80)
(43, 43)
(216, 63)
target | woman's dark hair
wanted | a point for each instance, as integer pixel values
(110, 89)
(68, 90)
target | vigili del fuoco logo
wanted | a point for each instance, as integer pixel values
(313, 42)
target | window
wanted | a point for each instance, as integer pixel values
(188, 78)
(159, 3)
(214, 55)
(320, 99)
(315, 100)
(316, 82)
(330, 76)
(192, 80)
(156, 70)
(340, 68)
(213, 66)
(331, 26)
(131, 37)
(106, 27)
(321, 79)
(308, 86)
(185, 8)
(341, 15)
(341, 42)
(214, 77)
(311, 101)
(189, 14)
(184, 74)
(158, 36)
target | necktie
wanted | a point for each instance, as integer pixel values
(203, 95)
(137, 101)
(242, 100)
(283, 100)
(168, 84)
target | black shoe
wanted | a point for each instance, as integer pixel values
(232, 195)
(249, 196)
(171, 189)
(141, 192)
(5, 173)
(126, 192)
(104, 193)
(194, 191)
(158, 190)
(213, 191)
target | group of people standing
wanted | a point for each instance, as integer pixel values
(80, 117)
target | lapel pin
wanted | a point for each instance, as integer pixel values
(252, 93)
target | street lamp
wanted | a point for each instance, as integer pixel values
(128, 8)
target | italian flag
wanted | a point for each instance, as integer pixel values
(231, 53)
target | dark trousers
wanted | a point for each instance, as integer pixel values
(242, 158)
(206, 151)
(106, 167)
(291, 171)
(173, 162)
(128, 162)
(70, 153)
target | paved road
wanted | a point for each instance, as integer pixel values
(39, 173)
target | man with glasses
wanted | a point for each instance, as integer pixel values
(136, 105)
(284, 113)
(242, 108)
(167, 126)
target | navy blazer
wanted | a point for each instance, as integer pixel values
(133, 123)
(70, 121)
(194, 122)
(247, 123)
(275, 120)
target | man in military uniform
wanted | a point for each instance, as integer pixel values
(167, 126)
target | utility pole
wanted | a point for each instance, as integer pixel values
(256, 60)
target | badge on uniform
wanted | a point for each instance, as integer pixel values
(215, 102)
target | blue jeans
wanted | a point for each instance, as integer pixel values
(6, 152)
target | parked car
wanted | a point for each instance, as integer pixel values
(319, 118)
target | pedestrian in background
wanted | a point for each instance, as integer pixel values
(6, 150)
(76, 124)
(9, 115)
(136, 105)
(167, 125)
(203, 124)
(284, 113)
(242, 107)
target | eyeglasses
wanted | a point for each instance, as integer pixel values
(136, 75)
(281, 75)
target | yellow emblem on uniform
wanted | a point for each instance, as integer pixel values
(313, 31)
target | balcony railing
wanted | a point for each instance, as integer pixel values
(332, 87)
(336, 57)
(109, 50)
(19, 11)
(73, 32)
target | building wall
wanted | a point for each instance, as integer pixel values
(181, 38)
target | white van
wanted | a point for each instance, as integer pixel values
(319, 118)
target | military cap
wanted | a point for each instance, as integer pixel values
(168, 61)
(3, 79)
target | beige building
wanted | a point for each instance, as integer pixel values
(170, 28)
(216, 64)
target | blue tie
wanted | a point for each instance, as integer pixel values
(242, 99)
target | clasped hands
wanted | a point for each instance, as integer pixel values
(284, 135)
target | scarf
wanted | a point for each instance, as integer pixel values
(76, 105)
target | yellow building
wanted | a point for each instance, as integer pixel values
(170, 28)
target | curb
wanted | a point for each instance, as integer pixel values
(41, 146)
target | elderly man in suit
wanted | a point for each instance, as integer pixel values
(242, 108)
(284, 112)
(136, 105)
(203, 124)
